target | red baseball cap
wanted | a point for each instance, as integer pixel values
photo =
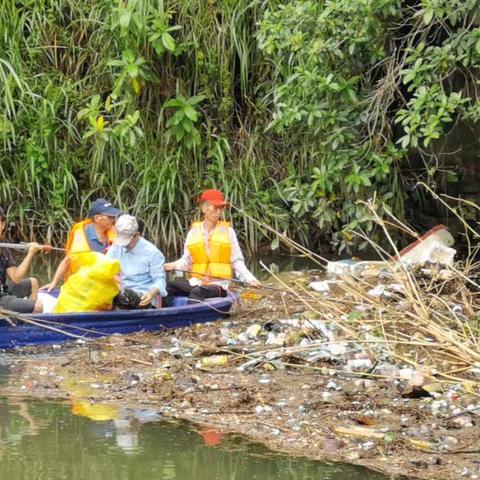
(214, 197)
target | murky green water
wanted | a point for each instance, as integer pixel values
(44, 440)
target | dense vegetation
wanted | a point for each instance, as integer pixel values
(299, 110)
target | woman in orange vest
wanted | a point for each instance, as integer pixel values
(212, 254)
(96, 234)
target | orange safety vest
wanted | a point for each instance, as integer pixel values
(215, 263)
(77, 242)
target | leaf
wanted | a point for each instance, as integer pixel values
(405, 141)
(132, 70)
(168, 42)
(88, 134)
(196, 99)
(135, 86)
(179, 133)
(352, 95)
(116, 63)
(366, 181)
(187, 125)
(191, 113)
(275, 243)
(174, 102)
(477, 46)
(389, 437)
(128, 56)
(125, 18)
(428, 15)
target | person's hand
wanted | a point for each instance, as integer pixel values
(48, 287)
(254, 283)
(34, 248)
(168, 267)
(147, 298)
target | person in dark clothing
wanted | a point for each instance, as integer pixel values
(21, 295)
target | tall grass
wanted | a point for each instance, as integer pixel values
(54, 58)
(66, 99)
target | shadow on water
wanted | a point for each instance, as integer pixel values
(44, 440)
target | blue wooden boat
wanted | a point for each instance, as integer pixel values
(100, 324)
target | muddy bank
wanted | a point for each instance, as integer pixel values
(269, 374)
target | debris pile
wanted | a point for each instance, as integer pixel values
(378, 364)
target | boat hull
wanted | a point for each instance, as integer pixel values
(100, 324)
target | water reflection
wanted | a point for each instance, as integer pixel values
(44, 440)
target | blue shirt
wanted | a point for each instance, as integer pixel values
(141, 267)
(95, 244)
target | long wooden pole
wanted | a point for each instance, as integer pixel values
(26, 246)
(234, 280)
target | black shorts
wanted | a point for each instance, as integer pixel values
(21, 289)
(16, 301)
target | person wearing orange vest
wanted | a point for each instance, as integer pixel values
(96, 234)
(212, 255)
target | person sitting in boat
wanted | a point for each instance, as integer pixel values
(21, 295)
(96, 234)
(142, 277)
(211, 255)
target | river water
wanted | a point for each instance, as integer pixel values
(45, 440)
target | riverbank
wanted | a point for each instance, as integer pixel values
(279, 375)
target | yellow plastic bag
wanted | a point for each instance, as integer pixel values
(92, 288)
(99, 412)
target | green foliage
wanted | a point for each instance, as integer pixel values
(440, 10)
(321, 51)
(182, 123)
(428, 112)
(102, 98)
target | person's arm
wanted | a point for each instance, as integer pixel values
(59, 275)
(113, 253)
(184, 263)
(159, 284)
(242, 273)
(16, 274)
(62, 267)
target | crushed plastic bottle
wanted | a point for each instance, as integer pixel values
(215, 361)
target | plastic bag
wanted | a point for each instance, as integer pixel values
(93, 287)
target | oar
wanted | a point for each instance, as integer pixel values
(26, 246)
(234, 280)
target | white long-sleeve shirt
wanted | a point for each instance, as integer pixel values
(241, 271)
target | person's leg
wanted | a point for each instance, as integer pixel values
(20, 305)
(202, 292)
(34, 283)
(179, 288)
(26, 288)
(38, 307)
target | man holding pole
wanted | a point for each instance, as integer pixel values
(21, 296)
(211, 255)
